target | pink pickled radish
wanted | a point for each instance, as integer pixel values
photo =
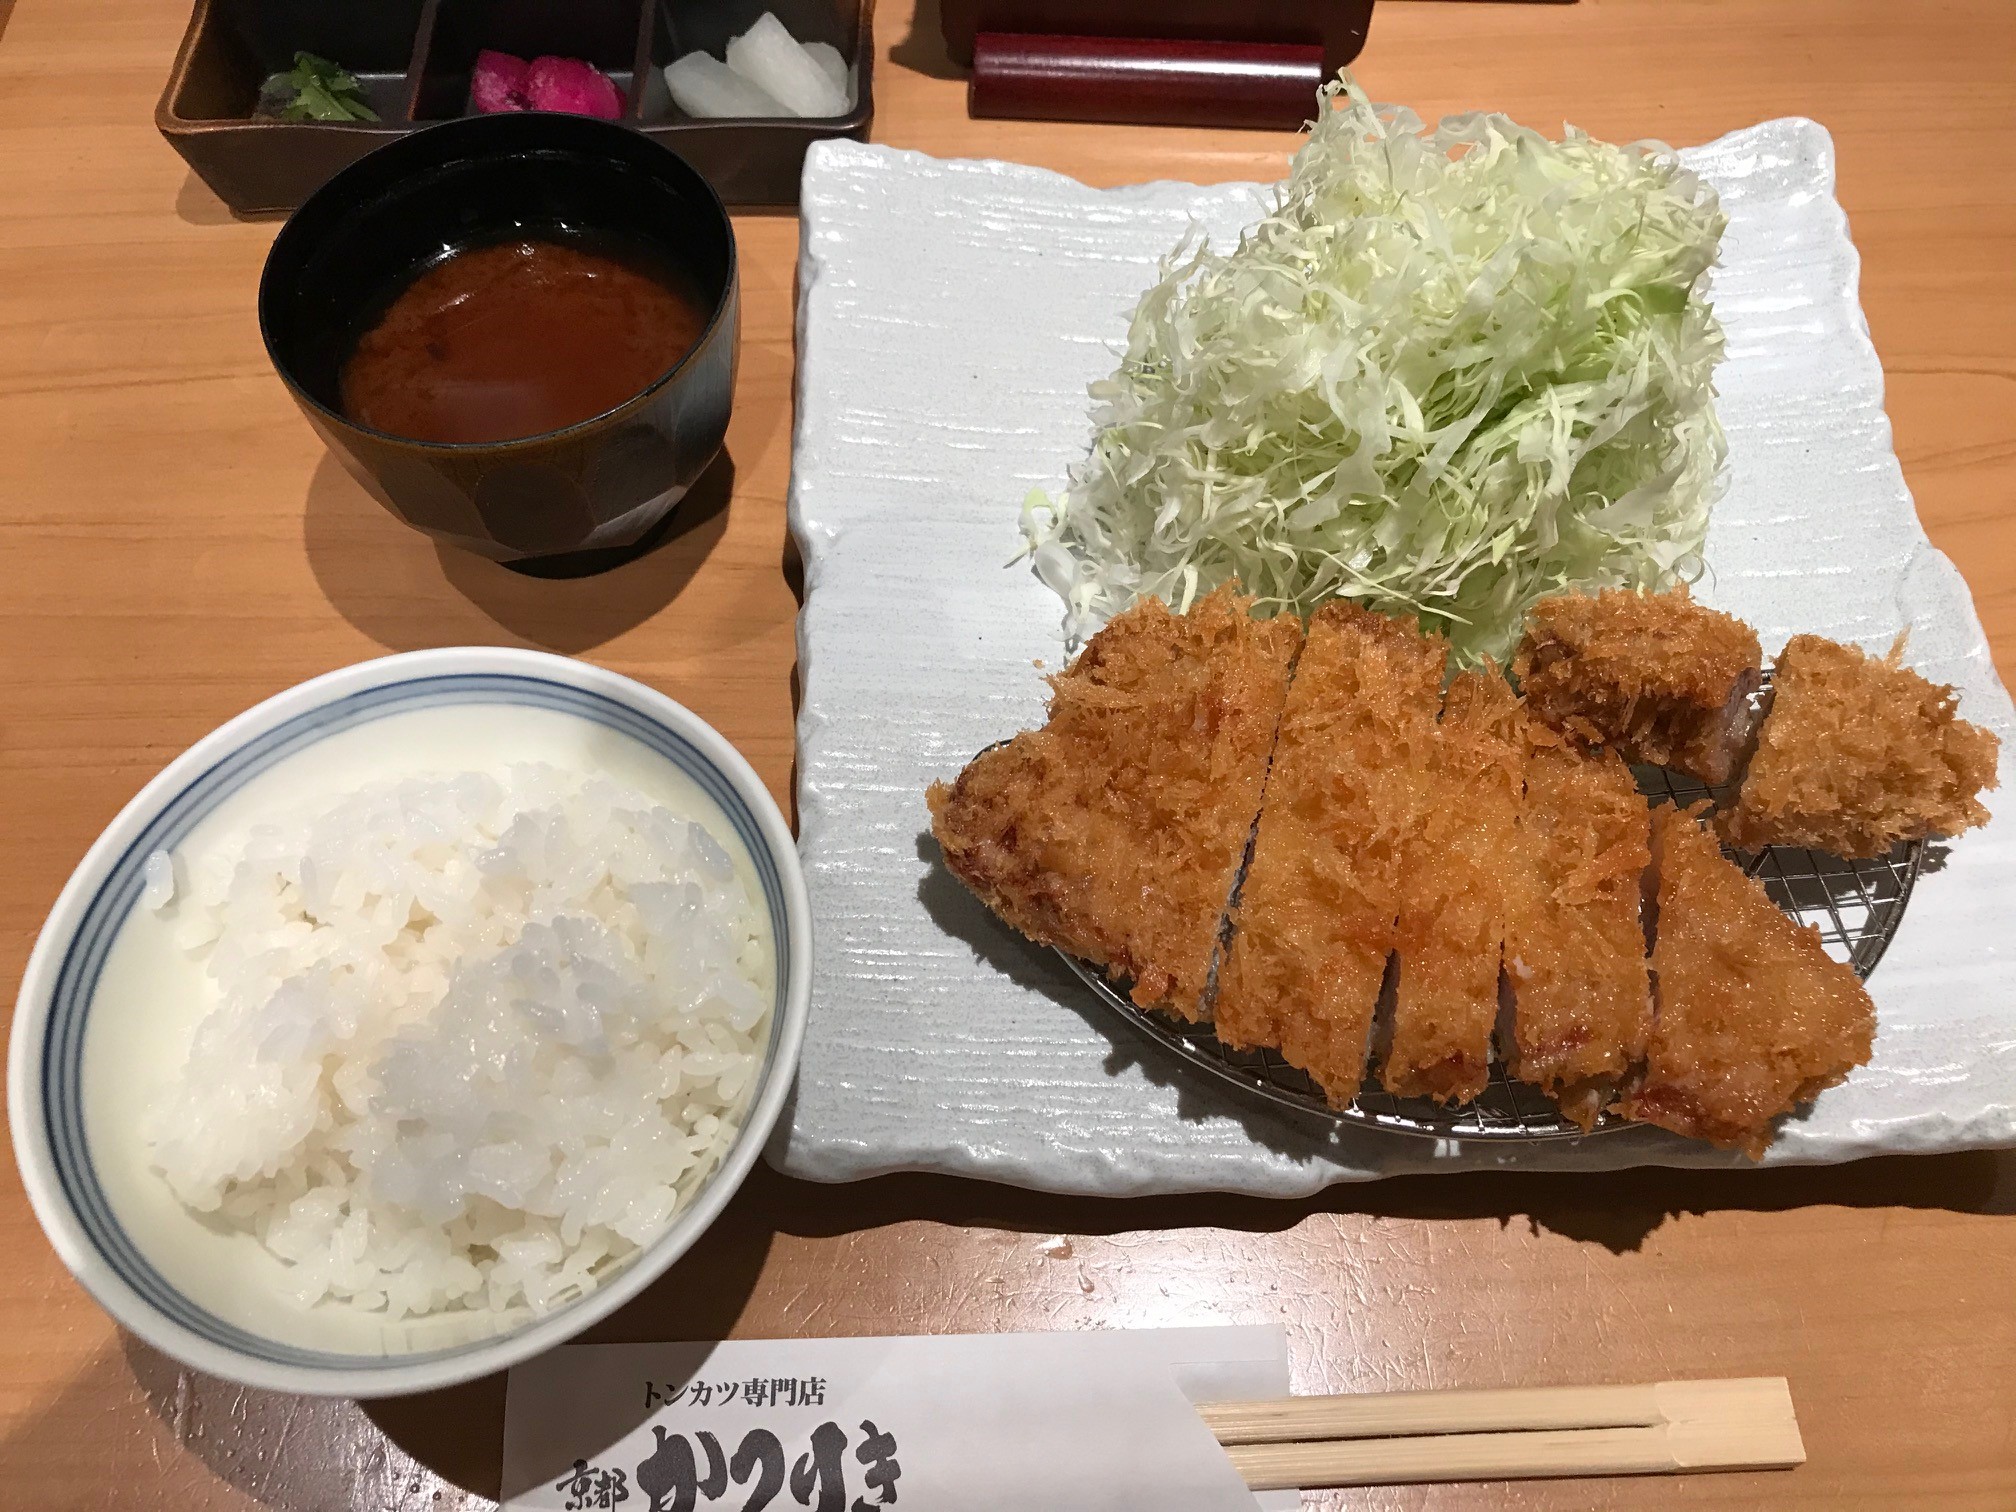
(498, 83)
(577, 88)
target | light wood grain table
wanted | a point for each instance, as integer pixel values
(174, 546)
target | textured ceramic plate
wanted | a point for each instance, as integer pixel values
(951, 315)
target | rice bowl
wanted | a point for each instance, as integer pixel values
(410, 1022)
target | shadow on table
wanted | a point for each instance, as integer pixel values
(1616, 1209)
(197, 204)
(923, 48)
(407, 593)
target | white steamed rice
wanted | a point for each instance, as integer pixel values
(475, 1039)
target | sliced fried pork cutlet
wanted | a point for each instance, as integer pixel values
(1857, 753)
(1452, 904)
(1116, 831)
(1656, 677)
(1574, 936)
(1314, 923)
(1754, 1017)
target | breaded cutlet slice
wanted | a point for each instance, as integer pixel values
(1857, 753)
(1574, 935)
(1314, 922)
(1656, 677)
(1452, 904)
(1753, 1016)
(1116, 831)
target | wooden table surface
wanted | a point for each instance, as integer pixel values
(174, 546)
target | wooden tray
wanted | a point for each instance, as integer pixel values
(413, 58)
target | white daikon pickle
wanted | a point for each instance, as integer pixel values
(828, 57)
(769, 57)
(705, 87)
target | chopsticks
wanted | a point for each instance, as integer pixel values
(1384, 1438)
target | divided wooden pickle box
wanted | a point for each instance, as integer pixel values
(413, 58)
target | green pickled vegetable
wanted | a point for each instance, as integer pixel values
(1449, 373)
(315, 90)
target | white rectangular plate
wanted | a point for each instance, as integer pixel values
(950, 317)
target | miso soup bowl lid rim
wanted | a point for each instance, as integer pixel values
(27, 1092)
(723, 304)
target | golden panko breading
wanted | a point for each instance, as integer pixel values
(1754, 1017)
(1857, 753)
(1574, 936)
(1452, 906)
(1314, 923)
(1656, 677)
(1115, 832)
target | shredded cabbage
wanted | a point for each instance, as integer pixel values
(1448, 374)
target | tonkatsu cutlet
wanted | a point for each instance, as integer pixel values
(1857, 753)
(1574, 936)
(1656, 677)
(1314, 923)
(1753, 1016)
(1116, 831)
(1452, 906)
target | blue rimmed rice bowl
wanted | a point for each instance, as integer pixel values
(95, 1027)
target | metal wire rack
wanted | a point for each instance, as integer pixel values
(1856, 906)
(1508, 1110)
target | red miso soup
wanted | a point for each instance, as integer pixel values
(520, 337)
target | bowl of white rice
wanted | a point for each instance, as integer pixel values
(411, 1022)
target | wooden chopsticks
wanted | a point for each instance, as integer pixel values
(1383, 1438)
